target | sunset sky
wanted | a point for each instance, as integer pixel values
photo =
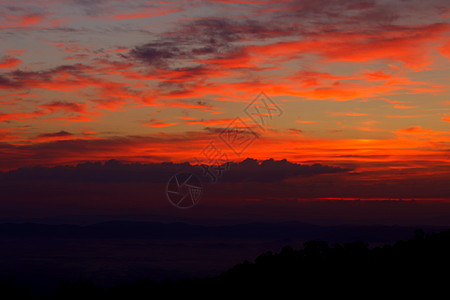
(361, 85)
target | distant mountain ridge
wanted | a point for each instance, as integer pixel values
(178, 230)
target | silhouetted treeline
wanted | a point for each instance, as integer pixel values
(9, 289)
(320, 270)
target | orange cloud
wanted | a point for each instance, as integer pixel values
(406, 116)
(350, 114)
(445, 49)
(158, 123)
(419, 130)
(213, 122)
(305, 122)
(404, 107)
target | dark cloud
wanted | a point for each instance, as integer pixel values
(157, 54)
(67, 106)
(55, 134)
(79, 150)
(247, 131)
(89, 2)
(115, 187)
(214, 32)
(7, 83)
(249, 170)
(218, 37)
(211, 38)
(92, 7)
(29, 79)
(295, 130)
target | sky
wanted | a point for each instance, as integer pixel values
(360, 86)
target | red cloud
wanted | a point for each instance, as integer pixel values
(410, 45)
(20, 116)
(158, 123)
(213, 122)
(12, 21)
(9, 62)
(66, 106)
(16, 52)
(419, 130)
(71, 112)
(10, 135)
(445, 49)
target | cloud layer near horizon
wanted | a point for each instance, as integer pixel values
(267, 190)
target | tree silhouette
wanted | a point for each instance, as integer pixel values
(318, 270)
